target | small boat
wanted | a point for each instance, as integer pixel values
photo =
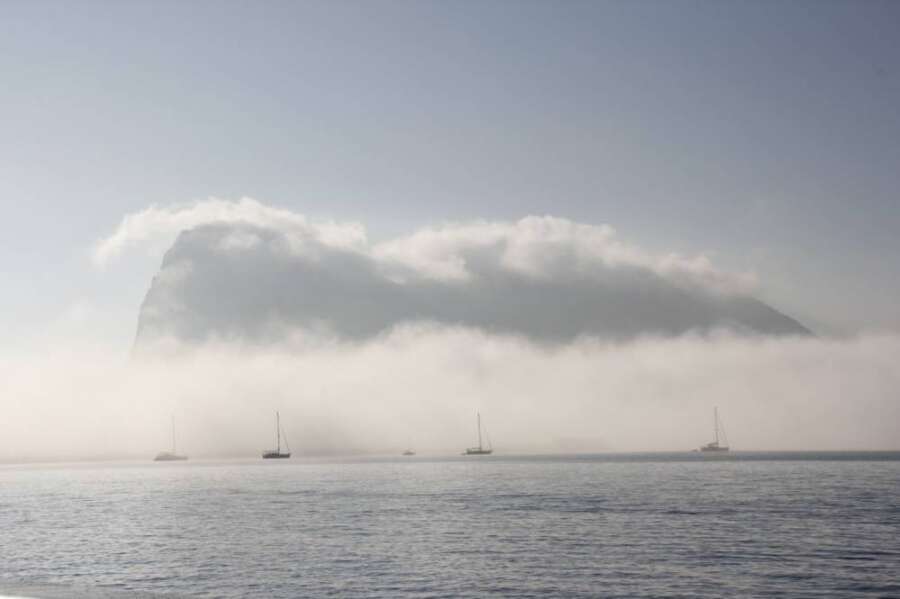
(276, 453)
(170, 456)
(409, 452)
(480, 449)
(716, 446)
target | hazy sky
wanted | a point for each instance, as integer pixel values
(766, 134)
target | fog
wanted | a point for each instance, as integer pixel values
(420, 384)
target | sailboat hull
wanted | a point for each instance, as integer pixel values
(714, 447)
(169, 457)
(274, 455)
(478, 451)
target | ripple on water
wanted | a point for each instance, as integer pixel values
(525, 528)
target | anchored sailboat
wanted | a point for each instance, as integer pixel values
(170, 456)
(480, 450)
(277, 453)
(716, 445)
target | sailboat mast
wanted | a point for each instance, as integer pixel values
(173, 434)
(277, 432)
(479, 429)
(716, 424)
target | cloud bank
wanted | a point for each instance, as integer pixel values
(421, 385)
(244, 270)
(158, 226)
(533, 245)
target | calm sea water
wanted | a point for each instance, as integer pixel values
(811, 525)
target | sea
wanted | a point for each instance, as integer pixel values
(620, 525)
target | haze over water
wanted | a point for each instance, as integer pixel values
(591, 222)
(770, 525)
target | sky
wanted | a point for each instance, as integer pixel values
(762, 138)
(765, 134)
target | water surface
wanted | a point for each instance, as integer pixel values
(652, 525)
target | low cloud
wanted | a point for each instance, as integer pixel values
(158, 226)
(421, 385)
(542, 248)
(537, 246)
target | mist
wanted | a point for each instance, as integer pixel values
(421, 384)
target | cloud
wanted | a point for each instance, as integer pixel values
(542, 247)
(158, 226)
(535, 246)
(421, 384)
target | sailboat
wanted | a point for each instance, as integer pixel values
(715, 446)
(409, 451)
(277, 453)
(480, 450)
(170, 456)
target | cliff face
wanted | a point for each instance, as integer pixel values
(237, 281)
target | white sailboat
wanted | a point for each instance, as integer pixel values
(717, 446)
(170, 456)
(277, 453)
(480, 449)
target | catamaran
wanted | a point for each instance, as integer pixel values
(480, 450)
(170, 456)
(277, 453)
(716, 445)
